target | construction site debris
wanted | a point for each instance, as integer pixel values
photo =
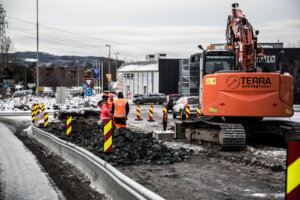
(128, 147)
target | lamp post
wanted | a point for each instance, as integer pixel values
(116, 53)
(108, 45)
(77, 63)
(37, 47)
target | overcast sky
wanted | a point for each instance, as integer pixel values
(137, 27)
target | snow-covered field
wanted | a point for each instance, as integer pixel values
(25, 103)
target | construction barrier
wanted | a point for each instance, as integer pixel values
(165, 118)
(107, 135)
(138, 113)
(33, 112)
(43, 107)
(293, 171)
(198, 112)
(37, 109)
(187, 112)
(69, 125)
(46, 120)
(151, 114)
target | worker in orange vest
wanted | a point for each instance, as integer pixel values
(104, 108)
(110, 103)
(120, 110)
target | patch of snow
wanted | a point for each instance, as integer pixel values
(259, 195)
(268, 153)
(177, 145)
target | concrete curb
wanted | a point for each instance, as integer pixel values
(104, 178)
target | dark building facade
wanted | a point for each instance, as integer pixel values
(168, 76)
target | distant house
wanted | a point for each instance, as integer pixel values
(154, 76)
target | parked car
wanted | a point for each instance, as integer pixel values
(21, 93)
(180, 105)
(150, 98)
(171, 99)
(49, 94)
(135, 97)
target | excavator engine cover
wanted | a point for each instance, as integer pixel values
(248, 95)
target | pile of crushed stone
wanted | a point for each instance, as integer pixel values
(128, 147)
(79, 113)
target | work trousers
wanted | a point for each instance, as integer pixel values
(120, 122)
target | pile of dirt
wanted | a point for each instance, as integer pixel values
(22, 107)
(62, 114)
(128, 147)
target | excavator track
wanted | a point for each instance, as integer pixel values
(276, 132)
(232, 136)
(226, 136)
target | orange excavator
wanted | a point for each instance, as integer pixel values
(236, 89)
(244, 91)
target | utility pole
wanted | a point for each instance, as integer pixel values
(102, 77)
(37, 48)
(116, 53)
(108, 45)
(2, 40)
(77, 63)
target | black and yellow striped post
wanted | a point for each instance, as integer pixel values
(33, 112)
(43, 107)
(293, 171)
(187, 112)
(107, 135)
(138, 113)
(198, 112)
(69, 125)
(165, 117)
(37, 109)
(151, 114)
(46, 120)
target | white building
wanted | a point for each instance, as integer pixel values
(138, 78)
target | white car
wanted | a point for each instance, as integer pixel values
(180, 106)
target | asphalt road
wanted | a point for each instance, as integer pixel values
(149, 127)
(144, 125)
(21, 176)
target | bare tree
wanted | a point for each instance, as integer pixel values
(6, 47)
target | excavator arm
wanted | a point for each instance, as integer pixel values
(240, 36)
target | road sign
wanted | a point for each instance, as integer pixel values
(61, 95)
(5, 85)
(83, 85)
(88, 92)
(88, 81)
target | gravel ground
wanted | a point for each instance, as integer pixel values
(258, 172)
(205, 177)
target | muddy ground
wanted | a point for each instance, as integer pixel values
(208, 178)
(255, 173)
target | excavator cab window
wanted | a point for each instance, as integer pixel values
(213, 66)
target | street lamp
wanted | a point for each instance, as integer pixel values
(108, 45)
(77, 63)
(37, 48)
(116, 53)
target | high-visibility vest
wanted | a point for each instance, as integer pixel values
(104, 111)
(120, 108)
(110, 103)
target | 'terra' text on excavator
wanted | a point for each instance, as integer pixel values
(236, 90)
